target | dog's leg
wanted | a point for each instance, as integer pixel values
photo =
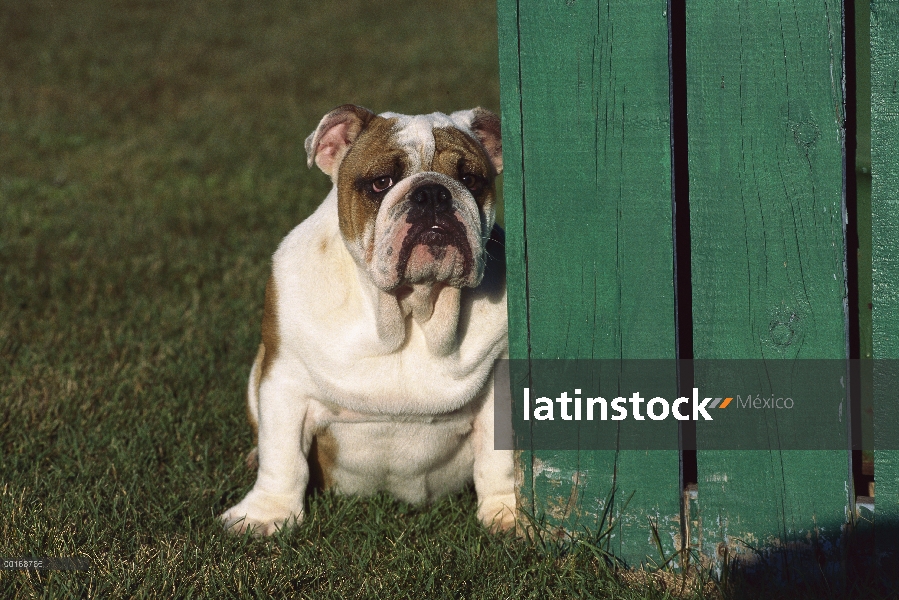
(276, 499)
(252, 459)
(494, 470)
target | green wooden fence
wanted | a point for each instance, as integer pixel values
(885, 243)
(587, 127)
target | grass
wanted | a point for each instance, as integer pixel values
(151, 159)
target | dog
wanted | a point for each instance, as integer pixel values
(384, 315)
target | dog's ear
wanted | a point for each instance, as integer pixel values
(486, 128)
(335, 133)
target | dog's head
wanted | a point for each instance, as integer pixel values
(416, 196)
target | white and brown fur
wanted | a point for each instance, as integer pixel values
(382, 323)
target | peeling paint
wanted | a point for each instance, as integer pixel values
(540, 467)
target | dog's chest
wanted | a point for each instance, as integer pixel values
(413, 461)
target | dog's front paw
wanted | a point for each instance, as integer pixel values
(498, 513)
(262, 513)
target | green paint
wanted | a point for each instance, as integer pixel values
(885, 234)
(765, 113)
(863, 216)
(585, 99)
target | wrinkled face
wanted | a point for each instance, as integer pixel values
(416, 200)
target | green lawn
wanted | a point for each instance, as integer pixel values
(151, 159)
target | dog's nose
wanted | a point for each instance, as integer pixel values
(433, 196)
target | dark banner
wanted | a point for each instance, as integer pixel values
(731, 404)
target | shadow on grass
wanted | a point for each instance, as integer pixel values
(864, 564)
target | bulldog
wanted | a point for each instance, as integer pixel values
(384, 315)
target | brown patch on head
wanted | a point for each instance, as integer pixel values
(374, 154)
(487, 127)
(270, 338)
(334, 134)
(456, 155)
(322, 459)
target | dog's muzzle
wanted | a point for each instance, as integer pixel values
(432, 234)
(433, 224)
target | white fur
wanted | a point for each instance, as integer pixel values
(415, 133)
(407, 417)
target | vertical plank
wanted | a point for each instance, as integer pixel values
(765, 112)
(513, 209)
(885, 235)
(585, 99)
(863, 190)
(865, 426)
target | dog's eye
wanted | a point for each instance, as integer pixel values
(381, 184)
(472, 182)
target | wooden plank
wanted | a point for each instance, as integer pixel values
(585, 98)
(885, 234)
(765, 112)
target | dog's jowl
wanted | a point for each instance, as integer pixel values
(384, 314)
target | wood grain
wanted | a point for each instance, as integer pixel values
(885, 242)
(585, 99)
(765, 112)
